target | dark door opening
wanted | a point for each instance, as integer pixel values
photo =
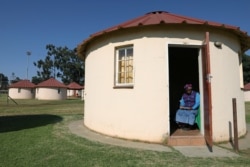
(183, 68)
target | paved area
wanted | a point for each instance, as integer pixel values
(244, 143)
(222, 150)
(79, 129)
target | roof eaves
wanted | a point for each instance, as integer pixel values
(160, 17)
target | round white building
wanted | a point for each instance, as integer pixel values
(74, 90)
(23, 89)
(51, 89)
(135, 73)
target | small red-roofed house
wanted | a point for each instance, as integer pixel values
(74, 90)
(247, 92)
(23, 89)
(51, 89)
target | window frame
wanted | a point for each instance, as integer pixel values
(117, 84)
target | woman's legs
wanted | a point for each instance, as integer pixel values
(185, 117)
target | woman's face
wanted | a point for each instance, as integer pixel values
(189, 90)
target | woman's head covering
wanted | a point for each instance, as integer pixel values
(188, 86)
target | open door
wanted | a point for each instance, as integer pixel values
(207, 92)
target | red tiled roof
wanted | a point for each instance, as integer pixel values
(74, 85)
(51, 83)
(22, 84)
(247, 86)
(161, 17)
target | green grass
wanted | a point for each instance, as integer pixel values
(247, 106)
(35, 133)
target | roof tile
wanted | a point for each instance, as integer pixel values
(22, 84)
(247, 86)
(52, 83)
(161, 17)
(74, 85)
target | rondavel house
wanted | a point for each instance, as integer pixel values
(135, 73)
(23, 89)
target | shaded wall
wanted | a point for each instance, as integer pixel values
(22, 93)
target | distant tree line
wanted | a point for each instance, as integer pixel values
(246, 68)
(60, 62)
(63, 63)
(4, 82)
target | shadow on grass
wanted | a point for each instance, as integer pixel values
(20, 122)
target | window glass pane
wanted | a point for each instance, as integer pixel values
(121, 54)
(130, 69)
(122, 78)
(125, 65)
(130, 52)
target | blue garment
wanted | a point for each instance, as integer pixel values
(188, 116)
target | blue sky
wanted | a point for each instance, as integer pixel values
(29, 25)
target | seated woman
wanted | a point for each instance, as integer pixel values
(189, 104)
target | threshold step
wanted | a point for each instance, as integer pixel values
(186, 141)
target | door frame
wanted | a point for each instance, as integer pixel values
(197, 45)
(207, 92)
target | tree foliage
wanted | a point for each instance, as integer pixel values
(246, 68)
(60, 62)
(4, 82)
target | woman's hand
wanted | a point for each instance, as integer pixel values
(185, 108)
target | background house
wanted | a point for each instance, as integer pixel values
(74, 90)
(51, 89)
(23, 89)
(247, 92)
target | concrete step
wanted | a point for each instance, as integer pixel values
(186, 141)
(186, 138)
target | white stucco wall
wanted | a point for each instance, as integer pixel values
(142, 113)
(247, 95)
(51, 94)
(226, 85)
(71, 92)
(23, 93)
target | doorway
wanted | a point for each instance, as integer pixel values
(183, 68)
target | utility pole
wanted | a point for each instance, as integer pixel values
(28, 54)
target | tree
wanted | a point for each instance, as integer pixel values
(14, 78)
(36, 80)
(60, 62)
(246, 68)
(44, 67)
(4, 82)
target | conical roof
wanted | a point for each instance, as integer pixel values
(247, 86)
(22, 84)
(74, 85)
(165, 18)
(51, 83)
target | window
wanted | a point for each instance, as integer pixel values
(124, 66)
(19, 90)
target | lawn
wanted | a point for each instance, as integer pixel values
(35, 133)
(247, 104)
